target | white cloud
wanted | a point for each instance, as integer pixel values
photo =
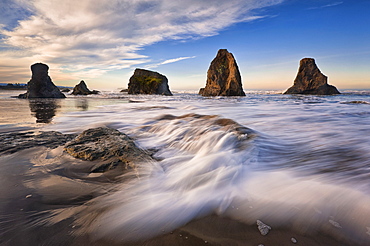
(327, 5)
(105, 35)
(176, 59)
(170, 61)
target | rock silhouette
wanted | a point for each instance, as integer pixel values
(148, 82)
(223, 77)
(81, 89)
(40, 85)
(310, 80)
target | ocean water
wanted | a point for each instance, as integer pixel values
(294, 162)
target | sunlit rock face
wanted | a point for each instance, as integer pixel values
(310, 80)
(109, 147)
(40, 85)
(148, 82)
(223, 77)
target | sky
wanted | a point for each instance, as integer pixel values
(103, 41)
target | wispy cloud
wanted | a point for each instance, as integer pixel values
(176, 59)
(170, 61)
(89, 35)
(327, 5)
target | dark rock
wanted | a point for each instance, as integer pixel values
(148, 82)
(356, 102)
(310, 80)
(124, 90)
(40, 85)
(13, 142)
(223, 77)
(81, 89)
(109, 146)
(65, 90)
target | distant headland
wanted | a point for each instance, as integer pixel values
(10, 86)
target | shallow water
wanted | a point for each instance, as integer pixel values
(296, 162)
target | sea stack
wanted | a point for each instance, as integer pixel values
(81, 89)
(148, 82)
(223, 77)
(40, 85)
(311, 81)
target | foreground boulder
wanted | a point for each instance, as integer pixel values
(109, 147)
(148, 82)
(81, 89)
(223, 77)
(40, 85)
(310, 80)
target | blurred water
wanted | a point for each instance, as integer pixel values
(288, 160)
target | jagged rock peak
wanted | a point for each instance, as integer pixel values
(148, 82)
(40, 85)
(223, 77)
(310, 80)
(81, 89)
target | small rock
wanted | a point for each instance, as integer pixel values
(293, 240)
(335, 224)
(263, 228)
(29, 196)
(81, 89)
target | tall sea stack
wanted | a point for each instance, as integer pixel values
(223, 77)
(40, 85)
(310, 80)
(148, 82)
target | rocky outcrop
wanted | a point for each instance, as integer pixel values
(109, 146)
(105, 148)
(310, 80)
(81, 89)
(223, 77)
(148, 82)
(16, 141)
(40, 85)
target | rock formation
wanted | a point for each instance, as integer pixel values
(148, 82)
(109, 146)
(81, 89)
(310, 80)
(40, 85)
(223, 77)
(16, 141)
(103, 148)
